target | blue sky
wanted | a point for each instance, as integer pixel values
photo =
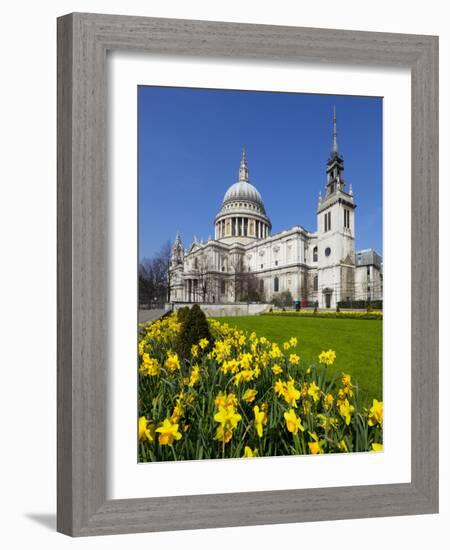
(190, 143)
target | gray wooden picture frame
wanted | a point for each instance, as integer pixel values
(83, 42)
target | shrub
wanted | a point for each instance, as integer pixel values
(182, 314)
(194, 327)
(360, 304)
(330, 314)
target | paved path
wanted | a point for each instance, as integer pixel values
(150, 314)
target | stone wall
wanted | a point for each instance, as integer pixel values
(228, 310)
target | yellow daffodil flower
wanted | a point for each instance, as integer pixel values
(377, 447)
(172, 362)
(203, 343)
(195, 376)
(315, 446)
(249, 453)
(328, 400)
(327, 357)
(346, 379)
(346, 410)
(260, 420)
(314, 391)
(279, 387)
(294, 359)
(291, 393)
(146, 429)
(249, 395)
(376, 413)
(276, 369)
(225, 400)
(168, 432)
(149, 365)
(293, 423)
(228, 419)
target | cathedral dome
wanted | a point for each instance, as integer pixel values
(242, 216)
(243, 191)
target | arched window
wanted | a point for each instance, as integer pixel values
(261, 285)
(315, 254)
(316, 282)
(276, 284)
(222, 287)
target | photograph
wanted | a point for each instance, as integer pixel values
(260, 274)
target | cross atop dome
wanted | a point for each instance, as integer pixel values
(243, 168)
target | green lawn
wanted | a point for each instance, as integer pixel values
(357, 343)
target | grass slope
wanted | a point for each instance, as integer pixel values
(357, 343)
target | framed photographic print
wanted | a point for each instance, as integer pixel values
(247, 274)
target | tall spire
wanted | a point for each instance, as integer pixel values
(335, 148)
(243, 168)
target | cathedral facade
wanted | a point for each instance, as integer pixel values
(246, 262)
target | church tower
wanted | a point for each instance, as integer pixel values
(177, 255)
(335, 233)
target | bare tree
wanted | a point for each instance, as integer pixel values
(245, 282)
(205, 279)
(154, 277)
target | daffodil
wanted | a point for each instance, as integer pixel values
(376, 413)
(326, 421)
(260, 420)
(279, 387)
(276, 369)
(316, 445)
(294, 359)
(172, 362)
(203, 343)
(275, 352)
(249, 453)
(346, 379)
(146, 430)
(293, 423)
(195, 376)
(228, 419)
(291, 393)
(377, 447)
(293, 341)
(346, 410)
(328, 400)
(149, 365)
(225, 400)
(168, 432)
(249, 395)
(314, 391)
(327, 357)
(243, 376)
